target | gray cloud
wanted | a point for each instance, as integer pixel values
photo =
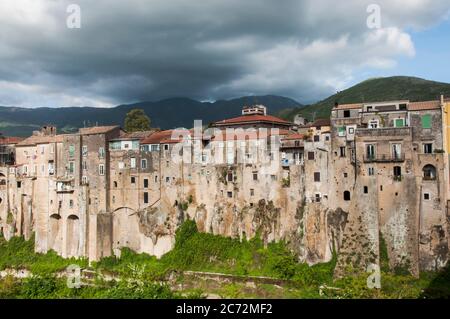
(146, 50)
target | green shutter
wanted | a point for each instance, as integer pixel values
(399, 123)
(426, 121)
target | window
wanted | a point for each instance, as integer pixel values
(370, 151)
(342, 151)
(19, 184)
(255, 176)
(397, 173)
(346, 195)
(366, 189)
(71, 150)
(84, 165)
(71, 203)
(351, 130)
(371, 171)
(327, 137)
(396, 151)
(167, 179)
(230, 177)
(145, 198)
(126, 146)
(115, 184)
(345, 175)
(311, 156)
(101, 169)
(426, 196)
(426, 121)
(317, 198)
(71, 167)
(145, 183)
(252, 192)
(273, 177)
(133, 162)
(156, 178)
(84, 180)
(316, 138)
(133, 180)
(317, 177)
(347, 113)
(373, 124)
(429, 172)
(341, 131)
(230, 194)
(166, 147)
(84, 150)
(399, 122)
(101, 152)
(428, 148)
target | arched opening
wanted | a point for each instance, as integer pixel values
(2, 182)
(346, 195)
(55, 234)
(429, 172)
(2, 175)
(73, 236)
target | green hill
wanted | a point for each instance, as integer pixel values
(375, 90)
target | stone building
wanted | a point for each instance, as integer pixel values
(373, 174)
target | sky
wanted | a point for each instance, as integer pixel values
(147, 50)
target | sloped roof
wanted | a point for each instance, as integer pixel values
(252, 118)
(161, 137)
(295, 136)
(4, 140)
(134, 135)
(41, 139)
(97, 129)
(319, 122)
(427, 105)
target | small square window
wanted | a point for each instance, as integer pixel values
(255, 176)
(366, 190)
(317, 177)
(316, 138)
(230, 194)
(426, 196)
(311, 156)
(133, 180)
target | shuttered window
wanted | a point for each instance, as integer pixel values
(426, 121)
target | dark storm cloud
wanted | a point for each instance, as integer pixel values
(146, 50)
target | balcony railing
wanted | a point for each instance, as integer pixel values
(383, 158)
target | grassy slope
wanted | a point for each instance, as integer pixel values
(374, 90)
(207, 252)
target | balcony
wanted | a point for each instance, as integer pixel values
(383, 158)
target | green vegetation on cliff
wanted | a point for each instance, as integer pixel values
(141, 275)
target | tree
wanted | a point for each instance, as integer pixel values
(136, 120)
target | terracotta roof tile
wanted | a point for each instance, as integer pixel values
(41, 139)
(134, 135)
(10, 140)
(161, 137)
(97, 129)
(252, 118)
(428, 105)
(248, 135)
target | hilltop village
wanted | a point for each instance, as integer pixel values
(372, 174)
